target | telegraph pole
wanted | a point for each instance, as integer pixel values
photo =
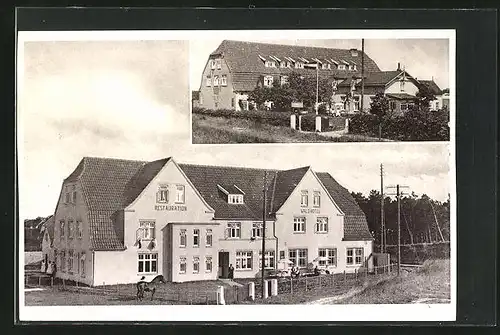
(317, 87)
(362, 72)
(264, 232)
(382, 223)
(398, 197)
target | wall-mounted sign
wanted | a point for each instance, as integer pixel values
(310, 211)
(170, 208)
(297, 105)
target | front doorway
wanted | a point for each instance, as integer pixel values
(223, 264)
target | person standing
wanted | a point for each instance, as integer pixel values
(42, 266)
(231, 271)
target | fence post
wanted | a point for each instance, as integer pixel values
(206, 299)
(39, 280)
(291, 285)
(375, 270)
(319, 282)
(306, 284)
(274, 286)
(64, 283)
(356, 274)
(51, 281)
(251, 290)
(345, 277)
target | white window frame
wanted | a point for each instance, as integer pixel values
(223, 80)
(296, 255)
(162, 195)
(321, 224)
(316, 199)
(62, 229)
(216, 80)
(196, 238)
(147, 230)
(283, 80)
(341, 67)
(257, 229)
(269, 258)
(268, 81)
(213, 64)
(180, 189)
(299, 65)
(233, 227)
(182, 261)
(235, 199)
(208, 264)
(331, 254)
(209, 239)
(299, 224)
(71, 229)
(63, 261)
(209, 81)
(81, 260)
(70, 260)
(147, 258)
(244, 260)
(219, 64)
(402, 85)
(79, 226)
(196, 264)
(354, 256)
(304, 198)
(182, 238)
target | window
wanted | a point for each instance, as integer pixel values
(196, 264)
(437, 105)
(180, 194)
(330, 254)
(256, 229)
(299, 65)
(196, 238)
(298, 257)
(61, 229)
(182, 265)
(244, 260)
(283, 64)
(404, 107)
(282, 254)
(208, 264)
(269, 259)
(219, 64)
(67, 198)
(216, 80)
(268, 81)
(299, 224)
(73, 197)
(213, 64)
(223, 80)
(284, 80)
(82, 264)
(71, 229)
(354, 256)
(162, 194)
(147, 263)
(70, 261)
(146, 230)
(402, 85)
(209, 81)
(182, 239)
(304, 199)
(63, 261)
(79, 228)
(341, 67)
(322, 225)
(270, 63)
(316, 199)
(393, 105)
(235, 198)
(233, 230)
(208, 238)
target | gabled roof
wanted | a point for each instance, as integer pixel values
(109, 185)
(246, 58)
(431, 86)
(48, 226)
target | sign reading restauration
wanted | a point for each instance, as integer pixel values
(170, 208)
(309, 211)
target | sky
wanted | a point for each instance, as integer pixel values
(422, 58)
(130, 100)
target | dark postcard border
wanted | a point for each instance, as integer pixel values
(476, 85)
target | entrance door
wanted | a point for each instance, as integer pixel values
(223, 264)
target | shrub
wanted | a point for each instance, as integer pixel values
(265, 117)
(308, 122)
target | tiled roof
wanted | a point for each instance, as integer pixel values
(355, 224)
(245, 58)
(431, 86)
(232, 189)
(380, 78)
(111, 184)
(104, 183)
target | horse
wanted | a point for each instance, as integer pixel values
(144, 286)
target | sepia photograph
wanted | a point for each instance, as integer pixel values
(122, 203)
(320, 90)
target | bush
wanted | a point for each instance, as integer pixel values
(308, 122)
(281, 119)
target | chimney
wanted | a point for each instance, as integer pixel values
(399, 66)
(354, 52)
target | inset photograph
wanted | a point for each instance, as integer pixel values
(315, 90)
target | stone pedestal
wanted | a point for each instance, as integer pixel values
(251, 291)
(274, 287)
(293, 121)
(220, 295)
(318, 123)
(266, 289)
(300, 122)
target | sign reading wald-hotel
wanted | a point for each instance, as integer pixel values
(170, 208)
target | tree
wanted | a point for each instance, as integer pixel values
(380, 107)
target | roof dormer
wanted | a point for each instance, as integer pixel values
(234, 194)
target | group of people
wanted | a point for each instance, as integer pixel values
(48, 268)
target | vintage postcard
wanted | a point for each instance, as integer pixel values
(159, 180)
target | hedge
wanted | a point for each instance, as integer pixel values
(281, 119)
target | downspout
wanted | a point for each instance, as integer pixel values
(274, 222)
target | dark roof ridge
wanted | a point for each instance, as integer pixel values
(229, 167)
(286, 45)
(114, 159)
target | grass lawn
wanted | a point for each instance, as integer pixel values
(431, 281)
(217, 130)
(166, 294)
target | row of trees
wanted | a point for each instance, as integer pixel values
(423, 220)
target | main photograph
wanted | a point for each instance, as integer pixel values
(320, 90)
(119, 208)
